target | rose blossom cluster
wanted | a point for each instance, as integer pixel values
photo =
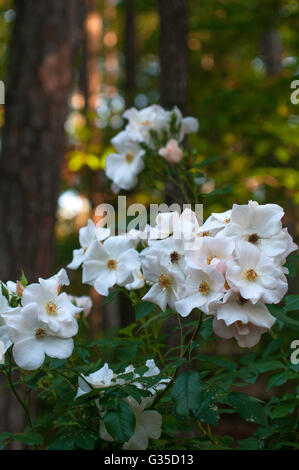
(43, 322)
(148, 422)
(144, 129)
(230, 267)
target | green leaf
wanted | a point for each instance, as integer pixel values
(5, 435)
(280, 314)
(29, 438)
(187, 392)
(62, 443)
(23, 280)
(251, 443)
(207, 328)
(272, 347)
(4, 291)
(143, 309)
(170, 425)
(229, 365)
(279, 379)
(32, 380)
(291, 303)
(283, 409)
(85, 439)
(248, 408)
(207, 412)
(56, 363)
(136, 393)
(120, 423)
(209, 160)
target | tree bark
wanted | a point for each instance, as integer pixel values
(130, 51)
(40, 79)
(174, 53)
(272, 51)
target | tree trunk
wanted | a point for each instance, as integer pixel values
(40, 79)
(272, 51)
(174, 53)
(130, 51)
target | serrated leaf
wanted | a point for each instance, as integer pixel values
(120, 423)
(207, 412)
(187, 392)
(248, 408)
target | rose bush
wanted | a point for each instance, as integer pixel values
(196, 282)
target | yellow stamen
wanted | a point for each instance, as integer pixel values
(251, 275)
(164, 281)
(111, 264)
(51, 308)
(204, 288)
(40, 333)
(129, 157)
(210, 258)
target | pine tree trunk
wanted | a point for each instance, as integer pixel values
(130, 51)
(40, 79)
(174, 53)
(272, 51)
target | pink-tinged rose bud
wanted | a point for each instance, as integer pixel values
(58, 288)
(172, 152)
(19, 289)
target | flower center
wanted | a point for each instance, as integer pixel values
(164, 281)
(174, 257)
(204, 288)
(145, 123)
(227, 221)
(40, 333)
(226, 285)
(111, 264)
(253, 238)
(129, 157)
(251, 275)
(51, 308)
(210, 258)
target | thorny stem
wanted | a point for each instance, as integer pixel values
(183, 354)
